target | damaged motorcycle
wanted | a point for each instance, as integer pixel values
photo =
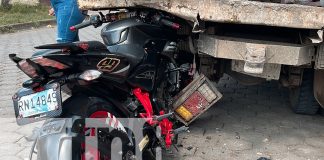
(139, 71)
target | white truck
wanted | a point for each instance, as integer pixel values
(252, 41)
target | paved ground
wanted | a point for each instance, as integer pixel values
(249, 123)
(253, 122)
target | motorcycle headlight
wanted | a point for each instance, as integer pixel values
(52, 127)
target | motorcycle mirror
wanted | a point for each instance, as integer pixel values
(90, 75)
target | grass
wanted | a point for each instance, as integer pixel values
(23, 13)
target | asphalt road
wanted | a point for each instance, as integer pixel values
(250, 122)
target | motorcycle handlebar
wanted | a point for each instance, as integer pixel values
(96, 21)
(163, 21)
(170, 24)
(81, 25)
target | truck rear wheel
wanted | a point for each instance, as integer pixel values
(321, 111)
(302, 98)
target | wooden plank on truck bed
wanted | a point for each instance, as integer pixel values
(226, 11)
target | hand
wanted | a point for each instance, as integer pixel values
(51, 12)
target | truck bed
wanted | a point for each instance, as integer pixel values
(226, 11)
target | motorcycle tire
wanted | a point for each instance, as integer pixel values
(96, 110)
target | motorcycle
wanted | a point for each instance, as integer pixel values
(138, 72)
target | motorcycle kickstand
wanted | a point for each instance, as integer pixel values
(32, 151)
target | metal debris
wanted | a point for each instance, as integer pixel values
(237, 135)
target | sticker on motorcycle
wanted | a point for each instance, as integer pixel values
(108, 64)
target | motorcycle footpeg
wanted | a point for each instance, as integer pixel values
(181, 130)
(161, 117)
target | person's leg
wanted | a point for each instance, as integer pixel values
(67, 15)
(54, 5)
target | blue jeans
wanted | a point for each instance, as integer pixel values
(67, 14)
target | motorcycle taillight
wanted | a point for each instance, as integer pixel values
(27, 68)
(45, 62)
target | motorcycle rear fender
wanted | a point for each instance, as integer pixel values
(59, 146)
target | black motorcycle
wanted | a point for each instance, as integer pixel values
(137, 73)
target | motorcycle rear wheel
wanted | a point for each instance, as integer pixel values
(101, 111)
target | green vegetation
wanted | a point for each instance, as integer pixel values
(14, 14)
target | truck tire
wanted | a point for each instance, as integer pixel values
(302, 99)
(321, 111)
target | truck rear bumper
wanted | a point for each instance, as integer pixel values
(254, 57)
(237, 49)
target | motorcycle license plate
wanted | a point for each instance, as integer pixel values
(31, 106)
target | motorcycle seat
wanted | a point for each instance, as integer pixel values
(75, 47)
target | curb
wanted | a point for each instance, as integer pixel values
(24, 26)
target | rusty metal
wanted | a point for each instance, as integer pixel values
(269, 71)
(255, 57)
(295, 75)
(226, 11)
(236, 49)
(319, 62)
(319, 86)
(292, 77)
(208, 67)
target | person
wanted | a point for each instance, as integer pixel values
(67, 14)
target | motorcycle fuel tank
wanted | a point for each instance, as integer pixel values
(128, 38)
(140, 43)
(113, 67)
